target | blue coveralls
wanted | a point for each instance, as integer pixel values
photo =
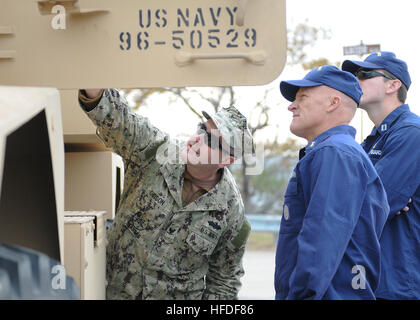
(394, 148)
(334, 211)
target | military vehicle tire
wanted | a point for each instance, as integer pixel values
(29, 275)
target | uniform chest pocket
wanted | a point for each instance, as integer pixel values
(293, 213)
(192, 256)
(292, 187)
(293, 208)
(200, 245)
(375, 154)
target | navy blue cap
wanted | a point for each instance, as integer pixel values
(381, 60)
(329, 76)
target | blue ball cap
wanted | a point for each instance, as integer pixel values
(381, 60)
(329, 76)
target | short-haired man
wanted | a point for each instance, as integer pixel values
(180, 230)
(394, 148)
(335, 205)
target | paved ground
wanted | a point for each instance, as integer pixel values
(258, 281)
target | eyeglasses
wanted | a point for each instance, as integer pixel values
(369, 74)
(209, 137)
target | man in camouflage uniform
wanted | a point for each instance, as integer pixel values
(180, 230)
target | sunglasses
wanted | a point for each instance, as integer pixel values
(209, 137)
(369, 74)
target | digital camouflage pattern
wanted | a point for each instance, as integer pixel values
(233, 128)
(158, 249)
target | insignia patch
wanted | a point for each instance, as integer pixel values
(286, 214)
(375, 152)
(214, 225)
(157, 198)
(208, 233)
(243, 234)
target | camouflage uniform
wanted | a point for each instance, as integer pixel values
(158, 249)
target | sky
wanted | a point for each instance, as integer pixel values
(392, 24)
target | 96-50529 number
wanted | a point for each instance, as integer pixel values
(191, 39)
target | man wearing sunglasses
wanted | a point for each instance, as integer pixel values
(180, 230)
(394, 148)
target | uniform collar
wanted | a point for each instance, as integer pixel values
(215, 199)
(390, 120)
(202, 186)
(343, 129)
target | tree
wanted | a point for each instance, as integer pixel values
(265, 191)
(299, 40)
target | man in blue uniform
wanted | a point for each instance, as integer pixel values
(335, 205)
(394, 148)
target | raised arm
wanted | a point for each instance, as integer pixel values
(129, 134)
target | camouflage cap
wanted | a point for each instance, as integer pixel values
(233, 128)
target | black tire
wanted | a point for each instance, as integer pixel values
(28, 275)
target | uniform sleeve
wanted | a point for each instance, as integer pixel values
(225, 266)
(334, 186)
(125, 132)
(87, 103)
(399, 167)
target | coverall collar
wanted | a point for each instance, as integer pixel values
(342, 129)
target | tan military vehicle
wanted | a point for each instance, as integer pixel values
(58, 184)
